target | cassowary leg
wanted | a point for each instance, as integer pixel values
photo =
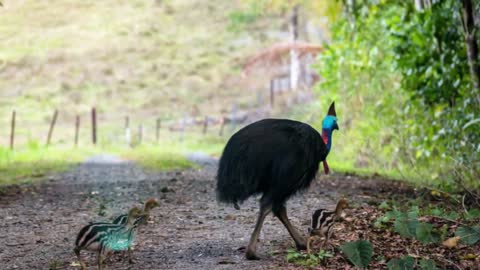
(252, 245)
(281, 213)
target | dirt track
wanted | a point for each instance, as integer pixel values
(189, 231)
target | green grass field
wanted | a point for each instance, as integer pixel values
(142, 59)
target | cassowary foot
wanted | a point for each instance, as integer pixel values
(251, 255)
(301, 245)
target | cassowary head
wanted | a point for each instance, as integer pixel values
(329, 124)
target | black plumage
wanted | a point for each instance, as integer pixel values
(273, 157)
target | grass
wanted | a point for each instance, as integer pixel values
(34, 163)
(170, 153)
(135, 58)
(142, 59)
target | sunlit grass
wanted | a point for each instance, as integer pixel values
(34, 163)
(171, 152)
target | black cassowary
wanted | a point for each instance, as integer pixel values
(276, 158)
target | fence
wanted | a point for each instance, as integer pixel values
(95, 127)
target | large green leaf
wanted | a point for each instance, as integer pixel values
(425, 233)
(406, 224)
(468, 235)
(359, 252)
(404, 263)
(426, 264)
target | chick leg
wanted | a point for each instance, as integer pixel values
(130, 255)
(309, 240)
(100, 260)
(327, 237)
(101, 256)
(83, 266)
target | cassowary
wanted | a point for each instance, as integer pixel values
(276, 158)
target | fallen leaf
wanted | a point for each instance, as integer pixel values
(451, 242)
(74, 264)
(469, 256)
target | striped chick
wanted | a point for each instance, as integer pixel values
(122, 219)
(149, 205)
(103, 237)
(323, 220)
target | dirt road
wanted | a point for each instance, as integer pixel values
(190, 230)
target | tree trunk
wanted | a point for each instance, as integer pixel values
(471, 43)
(294, 57)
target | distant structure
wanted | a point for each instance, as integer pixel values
(274, 64)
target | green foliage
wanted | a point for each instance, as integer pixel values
(430, 52)
(359, 252)
(407, 225)
(34, 162)
(426, 234)
(404, 263)
(241, 18)
(426, 264)
(380, 221)
(468, 235)
(307, 260)
(393, 69)
(473, 214)
(409, 263)
(384, 205)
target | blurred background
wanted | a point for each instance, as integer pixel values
(155, 80)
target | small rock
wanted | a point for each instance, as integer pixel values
(230, 217)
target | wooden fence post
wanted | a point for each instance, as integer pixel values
(184, 126)
(259, 101)
(94, 126)
(233, 126)
(222, 125)
(77, 129)
(140, 134)
(205, 125)
(52, 125)
(272, 93)
(157, 133)
(127, 130)
(12, 130)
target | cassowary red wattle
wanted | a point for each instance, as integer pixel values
(276, 158)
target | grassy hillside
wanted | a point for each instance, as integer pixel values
(142, 58)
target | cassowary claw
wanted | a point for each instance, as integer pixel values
(251, 255)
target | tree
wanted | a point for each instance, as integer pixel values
(469, 28)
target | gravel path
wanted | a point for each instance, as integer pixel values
(188, 231)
